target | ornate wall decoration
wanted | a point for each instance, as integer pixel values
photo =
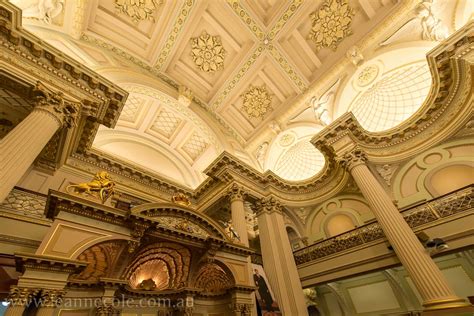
(207, 52)
(213, 279)
(367, 75)
(331, 23)
(287, 139)
(25, 203)
(256, 101)
(182, 224)
(138, 10)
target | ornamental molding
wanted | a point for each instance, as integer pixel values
(21, 296)
(236, 193)
(207, 52)
(446, 109)
(28, 261)
(138, 10)
(256, 101)
(331, 23)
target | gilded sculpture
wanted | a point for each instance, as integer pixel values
(331, 23)
(100, 187)
(207, 52)
(256, 101)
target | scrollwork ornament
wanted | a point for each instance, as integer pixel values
(353, 158)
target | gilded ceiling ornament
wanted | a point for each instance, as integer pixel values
(257, 101)
(367, 75)
(138, 10)
(331, 23)
(207, 52)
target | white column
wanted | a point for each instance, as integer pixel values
(278, 259)
(428, 279)
(237, 209)
(20, 147)
(236, 195)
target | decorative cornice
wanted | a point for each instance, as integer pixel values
(45, 263)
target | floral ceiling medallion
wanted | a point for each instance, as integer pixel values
(331, 23)
(256, 101)
(207, 52)
(138, 10)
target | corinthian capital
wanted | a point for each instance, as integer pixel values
(268, 205)
(52, 298)
(236, 193)
(54, 103)
(21, 296)
(352, 158)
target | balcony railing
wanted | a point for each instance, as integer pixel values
(438, 208)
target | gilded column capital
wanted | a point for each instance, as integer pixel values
(242, 308)
(236, 193)
(106, 309)
(52, 297)
(352, 158)
(268, 205)
(21, 296)
(56, 105)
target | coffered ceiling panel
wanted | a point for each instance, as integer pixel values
(213, 44)
(137, 28)
(322, 32)
(260, 93)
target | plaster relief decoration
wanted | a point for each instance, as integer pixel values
(256, 101)
(207, 52)
(367, 75)
(47, 11)
(433, 28)
(181, 224)
(331, 24)
(138, 10)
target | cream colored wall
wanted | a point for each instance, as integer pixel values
(435, 172)
(337, 215)
(392, 291)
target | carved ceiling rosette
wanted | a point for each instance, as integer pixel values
(331, 23)
(256, 101)
(207, 52)
(138, 10)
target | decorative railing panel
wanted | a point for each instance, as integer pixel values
(25, 202)
(447, 205)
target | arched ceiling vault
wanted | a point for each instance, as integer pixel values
(245, 76)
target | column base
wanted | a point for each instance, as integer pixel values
(457, 311)
(449, 303)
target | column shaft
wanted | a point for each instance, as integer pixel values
(15, 310)
(20, 147)
(238, 219)
(279, 263)
(426, 276)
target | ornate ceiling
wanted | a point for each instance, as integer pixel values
(255, 78)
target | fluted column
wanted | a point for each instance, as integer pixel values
(20, 147)
(237, 209)
(278, 259)
(19, 298)
(428, 279)
(50, 300)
